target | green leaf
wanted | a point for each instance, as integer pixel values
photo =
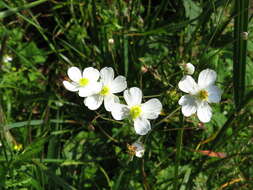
(192, 10)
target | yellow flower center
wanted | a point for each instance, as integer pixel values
(105, 91)
(135, 111)
(83, 81)
(203, 95)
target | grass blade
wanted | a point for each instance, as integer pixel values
(12, 11)
(125, 41)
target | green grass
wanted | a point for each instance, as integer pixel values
(67, 146)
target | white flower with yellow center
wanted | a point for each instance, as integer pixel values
(139, 113)
(85, 83)
(110, 86)
(199, 95)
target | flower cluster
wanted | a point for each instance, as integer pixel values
(98, 87)
(101, 86)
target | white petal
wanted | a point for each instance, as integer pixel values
(119, 111)
(107, 75)
(214, 94)
(109, 101)
(118, 84)
(206, 77)
(91, 73)
(74, 74)
(187, 84)
(84, 91)
(151, 109)
(189, 105)
(93, 102)
(96, 87)
(139, 152)
(189, 109)
(133, 96)
(91, 89)
(142, 126)
(70, 86)
(189, 68)
(204, 112)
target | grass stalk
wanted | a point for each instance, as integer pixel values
(179, 145)
(240, 49)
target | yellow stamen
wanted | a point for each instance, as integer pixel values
(135, 111)
(203, 95)
(83, 81)
(105, 91)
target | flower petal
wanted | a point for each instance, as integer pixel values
(187, 84)
(204, 112)
(139, 153)
(107, 75)
(74, 74)
(142, 126)
(84, 91)
(109, 101)
(118, 84)
(151, 109)
(119, 111)
(133, 96)
(70, 86)
(93, 102)
(214, 94)
(91, 89)
(96, 87)
(91, 73)
(206, 77)
(189, 105)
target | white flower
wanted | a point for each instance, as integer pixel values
(110, 86)
(199, 95)
(7, 58)
(137, 149)
(111, 41)
(189, 68)
(136, 111)
(85, 83)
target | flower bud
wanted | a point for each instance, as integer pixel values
(189, 68)
(111, 41)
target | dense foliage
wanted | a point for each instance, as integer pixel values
(50, 140)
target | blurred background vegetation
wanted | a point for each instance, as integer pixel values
(50, 140)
